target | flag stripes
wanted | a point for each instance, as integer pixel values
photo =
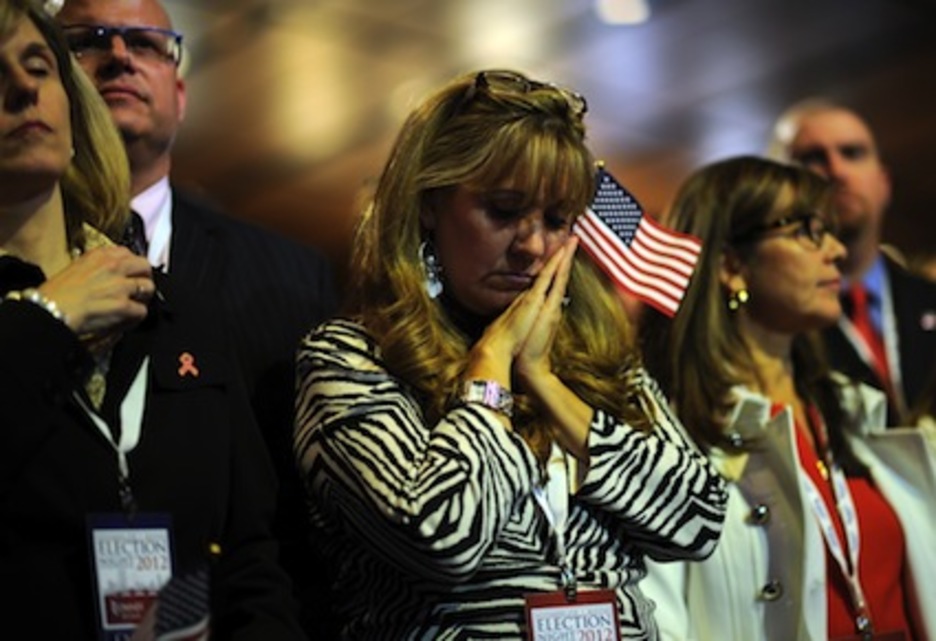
(642, 257)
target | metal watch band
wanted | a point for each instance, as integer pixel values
(490, 394)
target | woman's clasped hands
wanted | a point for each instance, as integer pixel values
(516, 348)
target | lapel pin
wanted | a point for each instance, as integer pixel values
(928, 321)
(187, 366)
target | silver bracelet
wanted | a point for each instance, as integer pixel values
(36, 297)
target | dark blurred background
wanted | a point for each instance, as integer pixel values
(293, 104)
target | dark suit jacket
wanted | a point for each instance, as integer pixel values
(267, 292)
(200, 459)
(914, 301)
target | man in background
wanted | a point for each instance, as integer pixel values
(887, 335)
(268, 290)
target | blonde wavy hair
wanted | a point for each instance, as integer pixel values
(96, 184)
(479, 136)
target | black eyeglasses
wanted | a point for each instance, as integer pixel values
(145, 43)
(810, 228)
(497, 80)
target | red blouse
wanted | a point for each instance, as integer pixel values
(881, 558)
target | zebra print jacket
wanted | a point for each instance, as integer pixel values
(433, 531)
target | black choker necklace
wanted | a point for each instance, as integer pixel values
(472, 325)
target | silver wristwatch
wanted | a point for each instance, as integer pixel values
(488, 393)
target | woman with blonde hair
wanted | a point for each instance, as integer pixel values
(478, 437)
(831, 517)
(127, 455)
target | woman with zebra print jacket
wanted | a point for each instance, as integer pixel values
(484, 455)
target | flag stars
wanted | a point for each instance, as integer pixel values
(644, 259)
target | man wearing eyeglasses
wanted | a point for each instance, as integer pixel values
(135, 70)
(887, 337)
(269, 291)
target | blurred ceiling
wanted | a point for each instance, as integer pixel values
(293, 104)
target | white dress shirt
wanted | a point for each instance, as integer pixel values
(154, 204)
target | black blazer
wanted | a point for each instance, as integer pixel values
(914, 300)
(267, 292)
(200, 459)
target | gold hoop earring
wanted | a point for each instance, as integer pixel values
(738, 299)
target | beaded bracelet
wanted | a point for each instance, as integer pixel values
(36, 297)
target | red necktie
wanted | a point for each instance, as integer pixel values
(861, 318)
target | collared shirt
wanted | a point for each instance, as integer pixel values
(154, 204)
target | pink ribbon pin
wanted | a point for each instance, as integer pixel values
(187, 365)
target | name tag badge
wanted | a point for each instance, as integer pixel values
(592, 616)
(130, 562)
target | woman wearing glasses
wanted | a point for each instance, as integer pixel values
(128, 455)
(478, 437)
(831, 520)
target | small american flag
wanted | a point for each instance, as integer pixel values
(643, 258)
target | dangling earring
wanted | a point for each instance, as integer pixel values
(737, 299)
(432, 268)
(52, 7)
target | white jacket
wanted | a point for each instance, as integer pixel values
(766, 579)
